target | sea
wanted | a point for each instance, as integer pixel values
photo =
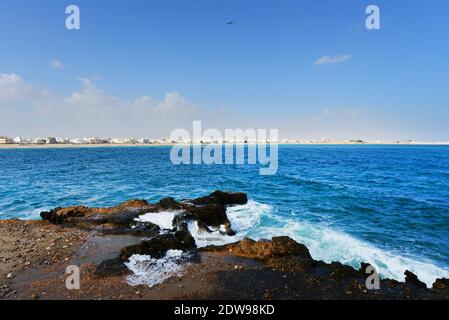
(387, 205)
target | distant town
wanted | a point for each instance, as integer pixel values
(20, 141)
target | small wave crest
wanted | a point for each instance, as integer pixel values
(242, 217)
(330, 245)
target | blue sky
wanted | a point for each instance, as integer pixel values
(144, 68)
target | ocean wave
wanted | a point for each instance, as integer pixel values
(242, 217)
(329, 245)
(258, 220)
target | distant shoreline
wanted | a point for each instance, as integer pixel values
(111, 145)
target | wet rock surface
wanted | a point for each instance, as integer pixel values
(280, 268)
(207, 211)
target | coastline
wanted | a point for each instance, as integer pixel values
(101, 240)
(110, 145)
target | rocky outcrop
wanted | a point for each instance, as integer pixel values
(209, 211)
(157, 247)
(290, 264)
(441, 286)
(412, 279)
(265, 249)
(222, 198)
(285, 262)
(114, 220)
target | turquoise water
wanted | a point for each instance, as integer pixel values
(387, 205)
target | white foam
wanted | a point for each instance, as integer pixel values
(204, 238)
(256, 220)
(246, 217)
(149, 271)
(329, 245)
(163, 219)
(242, 218)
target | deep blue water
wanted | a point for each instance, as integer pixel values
(388, 205)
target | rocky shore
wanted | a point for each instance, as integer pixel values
(34, 256)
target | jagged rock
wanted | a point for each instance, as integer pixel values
(158, 246)
(441, 287)
(441, 284)
(209, 211)
(213, 215)
(111, 267)
(223, 198)
(168, 204)
(412, 279)
(88, 217)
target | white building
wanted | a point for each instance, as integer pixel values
(17, 140)
(5, 140)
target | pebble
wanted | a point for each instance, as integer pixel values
(9, 276)
(34, 296)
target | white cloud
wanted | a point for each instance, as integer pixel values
(56, 64)
(14, 88)
(90, 111)
(143, 101)
(91, 95)
(173, 101)
(333, 59)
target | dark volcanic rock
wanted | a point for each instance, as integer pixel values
(211, 210)
(412, 279)
(441, 287)
(111, 267)
(213, 215)
(168, 204)
(363, 267)
(223, 198)
(158, 246)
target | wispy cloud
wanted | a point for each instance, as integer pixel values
(90, 110)
(333, 59)
(56, 64)
(14, 88)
